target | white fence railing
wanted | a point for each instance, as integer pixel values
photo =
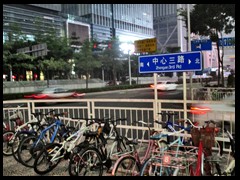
(132, 109)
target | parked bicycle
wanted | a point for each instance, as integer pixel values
(83, 166)
(129, 164)
(52, 153)
(31, 145)
(216, 161)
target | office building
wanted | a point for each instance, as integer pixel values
(128, 22)
(169, 30)
(27, 16)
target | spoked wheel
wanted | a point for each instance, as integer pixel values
(8, 137)
(73, 164)
(45, 162)
(127, 166)
(16, 142)
(75, 158)
(153, 167)
(28, 150)
(90, 163)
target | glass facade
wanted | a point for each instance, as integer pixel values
(169, 30)
(131, 21)
(26, 18)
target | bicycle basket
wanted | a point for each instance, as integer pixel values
(106, 128)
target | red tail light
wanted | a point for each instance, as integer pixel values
(200, 110)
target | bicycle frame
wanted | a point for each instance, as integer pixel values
(57, 125)
(69, 144)
(117, 140)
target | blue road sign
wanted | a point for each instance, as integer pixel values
(176, 62)
(201, 45)
(230, 41)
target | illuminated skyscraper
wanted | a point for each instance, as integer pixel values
(128, 22)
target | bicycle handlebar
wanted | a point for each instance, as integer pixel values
(191, 123)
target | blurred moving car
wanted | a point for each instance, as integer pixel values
(54, 93)
(165, 85)
(220, 112)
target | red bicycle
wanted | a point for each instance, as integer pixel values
(203, 137)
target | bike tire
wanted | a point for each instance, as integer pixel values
(8, 137)
(153, 167)
(126, 166)
(90, 163)
(27, 151)
(75, 157)
(16, 142)
(42, 164)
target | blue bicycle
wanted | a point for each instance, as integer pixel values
(30, 145)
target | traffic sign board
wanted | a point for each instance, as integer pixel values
(176, 62)
(230, 41)
(201, 45)
(145, 45)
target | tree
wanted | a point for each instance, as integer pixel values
(85, 61)
(211, 20)
(59, 51)
(13, 61)
(110, 57)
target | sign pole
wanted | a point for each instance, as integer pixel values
(189, 48)
(129, 68)
(155, 95)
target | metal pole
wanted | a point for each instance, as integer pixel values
(102, 74)
(189, 44)
(156, 109)
(11, 79)
(129, 68)
(184, 73)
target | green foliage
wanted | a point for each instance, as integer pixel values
(109, 58)
(85, 61)
(211, 20)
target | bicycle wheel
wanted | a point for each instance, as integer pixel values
(16, 142)
(28, 150)
(153, 167)
(75, 157)
(44, 162)
(90, 163)
(126, 166)
(181, 172)
(8, 137)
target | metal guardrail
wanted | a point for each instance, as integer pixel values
(211, 93)
(132, 109)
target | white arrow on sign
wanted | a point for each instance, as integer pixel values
(148, 64)
(189, 61)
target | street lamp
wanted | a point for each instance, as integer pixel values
(129, 68)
